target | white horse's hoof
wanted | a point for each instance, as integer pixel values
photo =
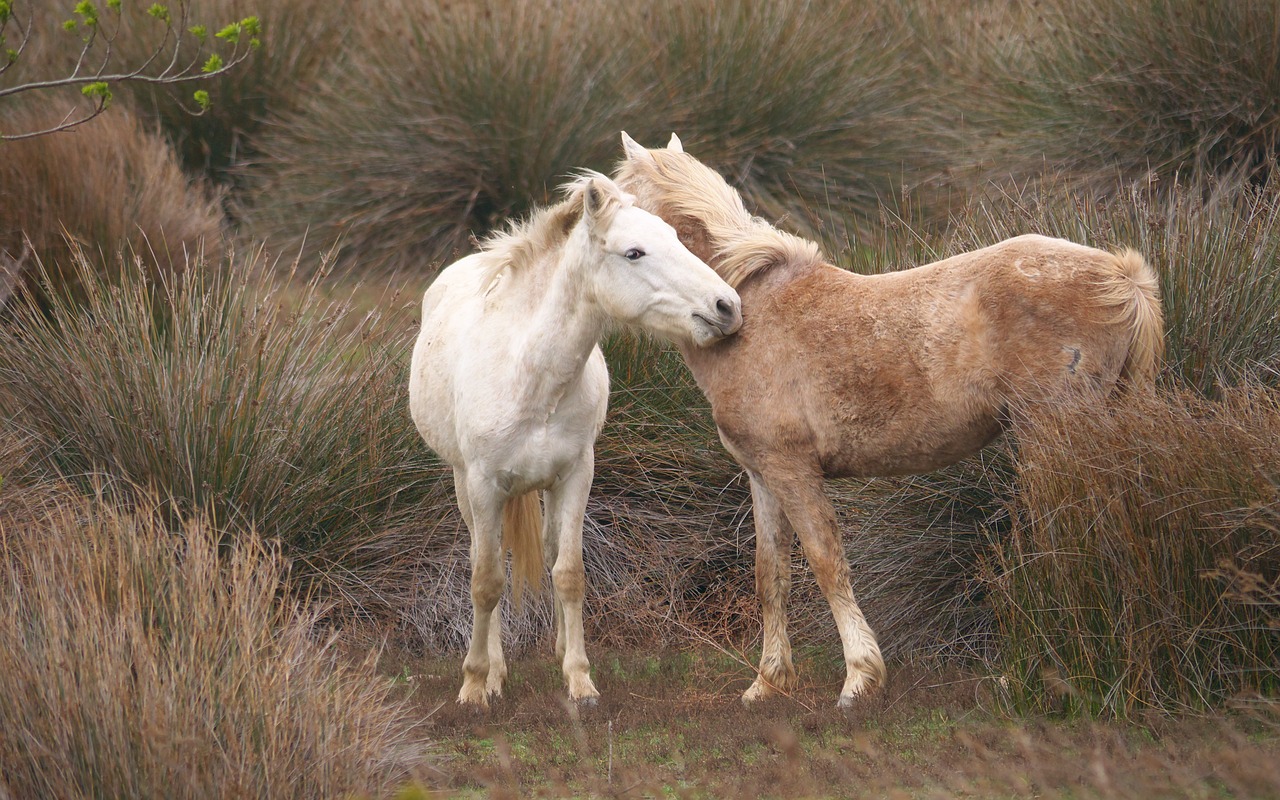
(590, 701)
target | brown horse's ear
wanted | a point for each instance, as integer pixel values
(675, 144)
(634, 151)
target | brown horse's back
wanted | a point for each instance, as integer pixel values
(909, 371)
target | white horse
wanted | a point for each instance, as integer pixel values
(508, 385)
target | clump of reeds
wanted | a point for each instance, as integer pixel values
(107, 191)
(1123, 584)
(456, 117)
(238, 393)
(144, 659)
(1160, 85)
(301, 44)
(447, 123)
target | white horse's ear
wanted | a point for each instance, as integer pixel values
(674, 144)
(634, 151)
(596, 200)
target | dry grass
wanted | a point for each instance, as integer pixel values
(109, 190)
(143, 660)
(263, 402)
(1144, 544)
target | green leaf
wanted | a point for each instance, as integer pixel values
(114, 5)
(231, 33)
(161, 12)
(202, 99)
(98, 91)
(199, 31)
(6, 10)
(89, 11)
(69, 25)
(213, 64)
(252, 26)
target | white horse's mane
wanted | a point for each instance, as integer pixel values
(525, 241)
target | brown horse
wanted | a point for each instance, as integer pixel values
(836, 374)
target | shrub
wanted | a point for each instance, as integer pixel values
(814, 110)
(302, 43)
(1162, 85)
(250, 398)
(108, 191)
(459, 117)
(1118, 589)
(140, 660)
(463, 115)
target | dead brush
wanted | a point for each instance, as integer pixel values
(109, 191)
(1112, 591)
(143, 660)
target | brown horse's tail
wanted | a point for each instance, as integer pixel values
(522, 535)
(1135, 293)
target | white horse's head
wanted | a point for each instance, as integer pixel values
(645, 277)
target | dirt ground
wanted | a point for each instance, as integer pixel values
(671, 725)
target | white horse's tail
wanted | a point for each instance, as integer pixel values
(1135, 292)
(522, 535)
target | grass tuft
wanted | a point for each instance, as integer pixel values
(1125, 584)
(237, 393)
(143, 660)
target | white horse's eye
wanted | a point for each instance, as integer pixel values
(634, 254)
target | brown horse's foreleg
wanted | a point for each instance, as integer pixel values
(488, 579)
(773, 584)
(814, 520)
(567, 505)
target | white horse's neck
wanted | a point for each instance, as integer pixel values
(563, 330)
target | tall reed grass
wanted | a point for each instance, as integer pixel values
(458, 116)
(455, 118)
(237, 393)
(140, 659)
(1130, 580)
(1158, 85)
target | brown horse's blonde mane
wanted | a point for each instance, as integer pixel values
(526, 241)
(743, 244)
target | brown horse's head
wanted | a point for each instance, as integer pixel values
(707, 213)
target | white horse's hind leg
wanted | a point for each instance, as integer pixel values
(550, 552)
(773, 584)
(814, 520)
(488, 579)
(497, 661)
(567, 504)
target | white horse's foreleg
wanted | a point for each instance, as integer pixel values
(814, 520)
(488, 579)
(773, 584)
(497, 661)
(567, 502)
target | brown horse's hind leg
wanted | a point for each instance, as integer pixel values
(811, 514)
(773, 584)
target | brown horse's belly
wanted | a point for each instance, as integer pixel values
(922, 448)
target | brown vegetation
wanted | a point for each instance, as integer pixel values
(143, 660)
(110, 191)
